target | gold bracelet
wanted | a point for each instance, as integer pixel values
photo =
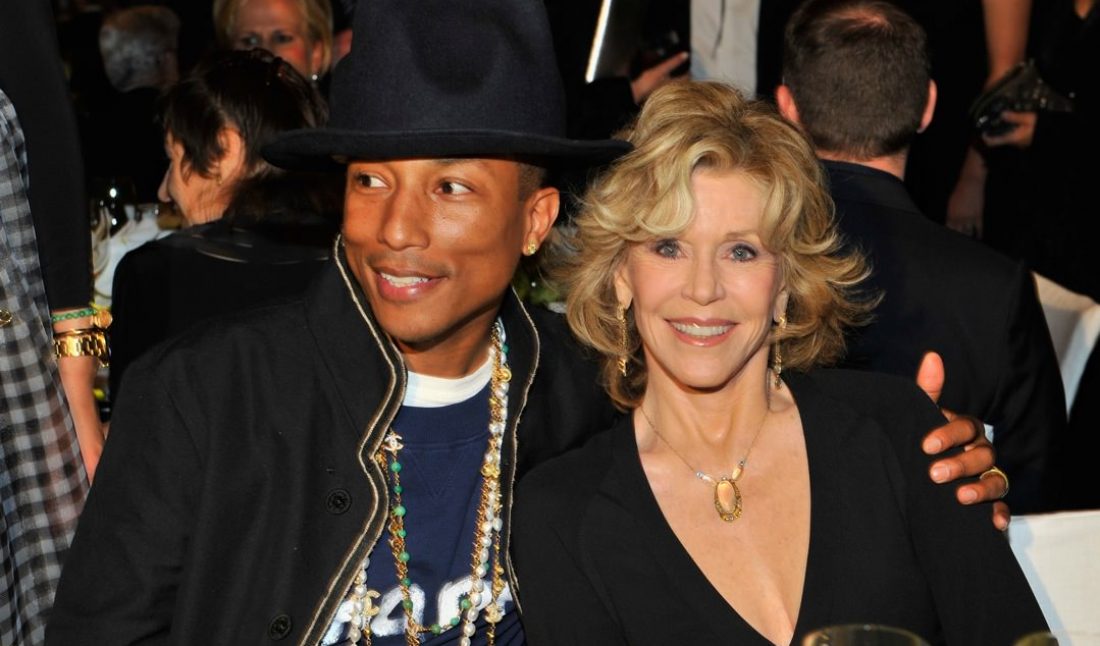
(83, 342)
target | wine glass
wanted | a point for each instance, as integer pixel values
(1037, 639)
(862, 635)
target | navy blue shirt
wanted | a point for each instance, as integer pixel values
(444, 448)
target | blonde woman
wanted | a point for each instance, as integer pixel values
(298, 31)
(751, 496)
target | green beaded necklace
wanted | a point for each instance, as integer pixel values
(486, 533)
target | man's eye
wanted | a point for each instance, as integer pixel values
(366, 180)
(666, 248)
(454, 188)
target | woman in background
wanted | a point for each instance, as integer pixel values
(255, 232)
(298, 31)
(751, 496)
(50, 432)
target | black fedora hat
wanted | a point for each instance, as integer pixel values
(445, 78)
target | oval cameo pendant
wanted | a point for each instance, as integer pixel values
(727, 499)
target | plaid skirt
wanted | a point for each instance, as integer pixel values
(42, 478)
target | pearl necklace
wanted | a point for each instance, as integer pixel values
(486, 543)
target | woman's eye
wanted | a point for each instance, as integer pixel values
(250, 41)
(281, 38)
(454, 188)
(666, 248)
(742, 253)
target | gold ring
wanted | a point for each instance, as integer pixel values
(994, 471)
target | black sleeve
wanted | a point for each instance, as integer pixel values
(559, 601)
(32, 77)
(140, 298)
(980, 593)
(123, 570)
(1029, 395)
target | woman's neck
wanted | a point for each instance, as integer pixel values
(714, 428)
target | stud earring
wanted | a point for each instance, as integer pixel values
(620, 317)
(777, 363)
(531, 248)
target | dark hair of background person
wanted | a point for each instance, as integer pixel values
(253, 91)
(275, 233)
(870, 45)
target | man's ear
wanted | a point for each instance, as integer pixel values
(929, 107)
(541, 208)
(785, 102)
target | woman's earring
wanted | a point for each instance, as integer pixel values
(777, 363)
(531, 248)
(620, 316)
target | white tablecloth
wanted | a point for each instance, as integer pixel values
(1060, 555)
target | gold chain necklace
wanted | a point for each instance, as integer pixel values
(727, 495)
(486, 529)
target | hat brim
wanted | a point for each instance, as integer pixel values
(326, 148)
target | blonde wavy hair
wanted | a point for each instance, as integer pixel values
(646, 195)
(317, 15)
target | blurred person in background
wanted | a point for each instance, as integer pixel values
(1040, 195)
(342, 13)
(122, 139)
(51, 342)
(254, 232)
(298, 31)
(1041, 204)
(857, 79)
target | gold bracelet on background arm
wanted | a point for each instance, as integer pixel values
(83, 342)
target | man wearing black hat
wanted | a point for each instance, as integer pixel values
(339, 470)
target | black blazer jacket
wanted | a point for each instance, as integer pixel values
(946, 293)
(238, 495)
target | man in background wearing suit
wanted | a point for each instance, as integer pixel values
(856, 77)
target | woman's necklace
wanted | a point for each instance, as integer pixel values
(727, 495)
(486, 533)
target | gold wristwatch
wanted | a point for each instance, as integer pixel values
(83, 342)
(102, 318)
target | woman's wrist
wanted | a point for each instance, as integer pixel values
(81, 332)
(76, 318)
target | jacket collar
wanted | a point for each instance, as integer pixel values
(858, 183)
(353, 346)
(357, 351)
(369, 375)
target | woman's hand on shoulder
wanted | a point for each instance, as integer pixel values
(977, 455)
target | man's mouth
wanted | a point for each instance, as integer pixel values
(402, 281)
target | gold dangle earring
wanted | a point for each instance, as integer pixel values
(777, 364)
(620, 316)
